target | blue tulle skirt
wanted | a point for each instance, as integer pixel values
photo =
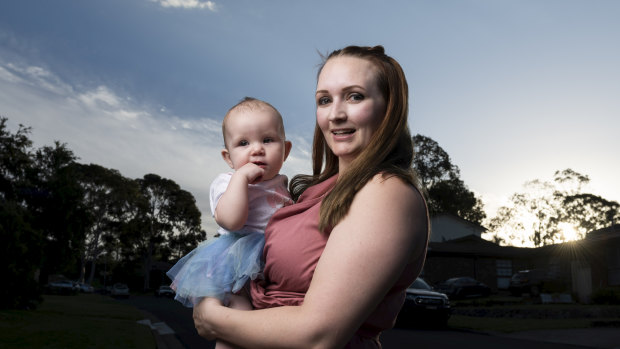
(218, 267)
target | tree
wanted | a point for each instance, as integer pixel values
(15, 160)
(552, 212)
(58, 209)
(445, 191)
(108, 199)
(20, 244)
(589, 212)
(169, 211)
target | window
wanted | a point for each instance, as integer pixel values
(504, 272)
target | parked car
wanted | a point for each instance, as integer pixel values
(534, 281)
(120, 290)
(164, 291)
(86, 288)
(64, 287)
(463, 287)
(423, 306)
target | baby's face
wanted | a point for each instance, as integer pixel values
(256, 135)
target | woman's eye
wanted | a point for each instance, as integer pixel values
(356, 97)
(322, 100)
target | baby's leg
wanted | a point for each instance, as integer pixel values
(239, 301)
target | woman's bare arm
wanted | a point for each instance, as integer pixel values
(365, 254)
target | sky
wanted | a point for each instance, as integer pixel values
(511, 90)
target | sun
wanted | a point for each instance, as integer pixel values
(568, 232)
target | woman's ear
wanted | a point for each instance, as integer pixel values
(226, 157)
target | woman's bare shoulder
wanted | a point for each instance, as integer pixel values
(390, 187)
(389, 197)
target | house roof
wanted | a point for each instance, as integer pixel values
(461, 220)
(611, 232)
(474, 245)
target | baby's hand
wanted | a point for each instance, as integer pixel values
(252, 172)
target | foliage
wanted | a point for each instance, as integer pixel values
(20, 244)
(606, 295)
(58, 212)
(551, 212)
(20, 253)
(169, 210)
(57, 216)
(110, 200)
(445, 191)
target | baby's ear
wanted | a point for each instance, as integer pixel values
(226, 157)
(287, 148)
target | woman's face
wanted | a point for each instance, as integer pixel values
(349, 106)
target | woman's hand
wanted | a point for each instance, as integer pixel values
(203, 312)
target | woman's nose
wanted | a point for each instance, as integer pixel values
(337, 112)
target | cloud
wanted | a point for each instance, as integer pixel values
(34, 76)
(189, 4)
(102, 127)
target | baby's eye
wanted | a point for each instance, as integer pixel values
(323, 100)
(267, 140)
(243, 143)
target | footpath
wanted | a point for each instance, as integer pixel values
(603, 337)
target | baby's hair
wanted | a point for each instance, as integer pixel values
(252, 103)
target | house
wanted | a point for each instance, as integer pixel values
(603, 248)
(447, 226)
(473, 256)
(456, 249)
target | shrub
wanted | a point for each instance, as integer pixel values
(608, 295)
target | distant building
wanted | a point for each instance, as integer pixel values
(445, 227)
(456, 249)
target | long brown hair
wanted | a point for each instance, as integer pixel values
(389, 152)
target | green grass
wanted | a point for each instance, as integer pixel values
(82, 321)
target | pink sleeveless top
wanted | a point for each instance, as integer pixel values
(293, 246)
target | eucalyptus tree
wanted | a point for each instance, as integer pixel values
(551, 212)
(20, 244)
(444, 190)
(109, 201)
(58, 209)
(168, 212)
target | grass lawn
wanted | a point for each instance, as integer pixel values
(81, 321)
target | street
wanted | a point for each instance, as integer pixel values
(180, 320)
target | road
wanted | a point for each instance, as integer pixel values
(179, 319)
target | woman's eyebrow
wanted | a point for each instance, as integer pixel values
(348, 88)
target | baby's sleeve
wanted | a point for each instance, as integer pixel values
(217, 189)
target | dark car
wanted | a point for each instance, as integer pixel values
(164, 291)
(424, 307)
(463, 287)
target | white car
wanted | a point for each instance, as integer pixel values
(120, 290)
(62, 287)
(164, 291)
(86, 288)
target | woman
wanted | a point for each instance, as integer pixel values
(339, 260)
